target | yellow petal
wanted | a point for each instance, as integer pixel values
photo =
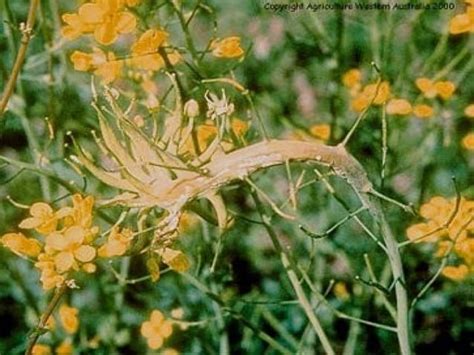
(445, 89)
(91, 13)
(126, 22)
(63, 261)
(41, 209)
(456, 273)
(85, 253)
(65, 348)
(468, 141)
(469, 111)
(106, 33)
(30, 223)
(460, 24)
(423, 111)
(351, 78)
(321, 131)
(75, 235)
(398, 107)
(146, 329)
(149, 42)
(41, 349)
(56, 241)
(155, 342)
(166, 329)
(68, 317)
(156, 317)
(82, 61)
(89, 268)
(227, 48)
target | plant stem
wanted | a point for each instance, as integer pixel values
(20, 57)
(291, 272)
(58, 293)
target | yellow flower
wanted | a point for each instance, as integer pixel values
(228, 47)
(41, 349)
(430, 89)
(75, 26)
(81, 215)
(43, 219)
(445, 89)
(103, 65)
(69, 319)
(469, 111)
(462, 23)
(427, 87)
(19, 244)
(376, 94)
(69, 248)
(351, 78)
(117, 243)
(456, 273)
(453, 232)
(82, 61)
(468, 141)
(321, 131)
(175, 259)
(170, 351)
(423, 111)
(49, 276)
(436, 209)
(65, 348)
(145, 51)
(465, 249)
(156, 330)
(104, 18)
(89, 268)
(149, 42)
(417, 231)
(399, 107)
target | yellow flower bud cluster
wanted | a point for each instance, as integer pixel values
(380, 93)
(452, 229)
(67, 240)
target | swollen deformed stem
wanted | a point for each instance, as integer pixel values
(242, 162)
(239, 164)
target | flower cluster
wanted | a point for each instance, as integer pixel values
(105, 19)
(228, 47)
(380, 93)
(141, 62)
(450, 224)
(364, 96)
(68, 240)
(464, 22)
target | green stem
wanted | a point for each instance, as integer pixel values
(290, 269)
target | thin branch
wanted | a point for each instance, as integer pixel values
(20, 57)
(40, 328)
